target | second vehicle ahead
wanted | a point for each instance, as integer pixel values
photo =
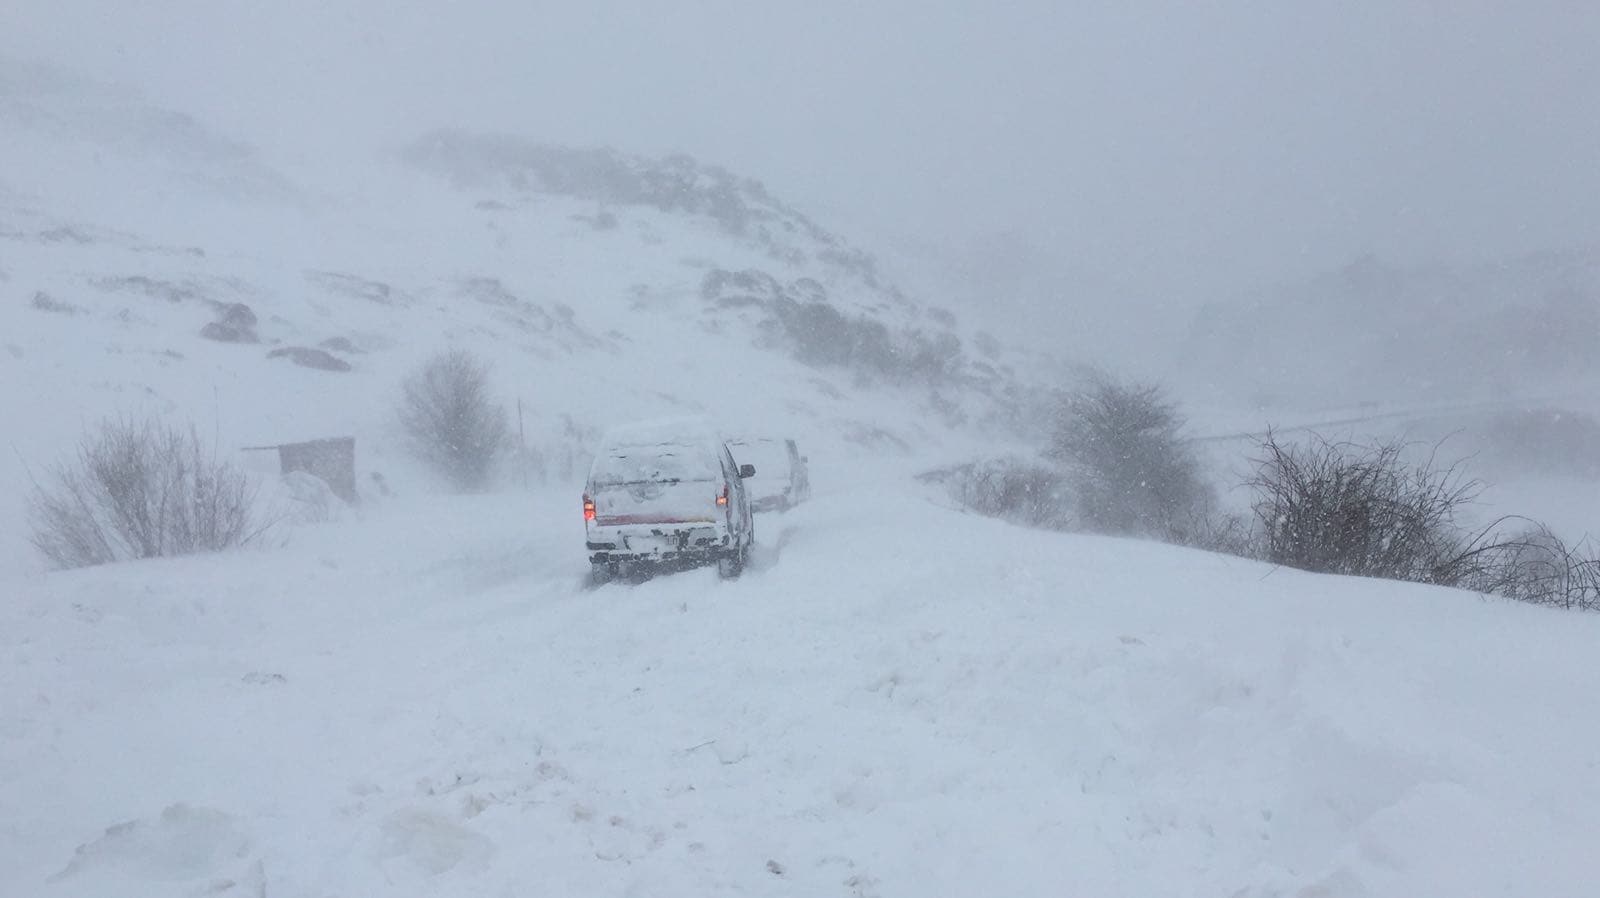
(784, 480)
(668, 493)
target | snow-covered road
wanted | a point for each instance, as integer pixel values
(897, 700)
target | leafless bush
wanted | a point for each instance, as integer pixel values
(1130, 469)
(1229, 534)
(1015, 490)
(1348, 508)
(140, 489)
(1540, 568)
(450, 420)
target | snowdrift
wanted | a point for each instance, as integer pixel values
(897, 700)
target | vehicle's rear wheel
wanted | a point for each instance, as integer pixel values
(601, 573)
(731, 565)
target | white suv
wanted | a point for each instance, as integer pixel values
(666, 493)
(784, 481)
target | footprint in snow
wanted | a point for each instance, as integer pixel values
(184, 844)
(431, 844)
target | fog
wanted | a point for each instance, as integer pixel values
(1147, 152)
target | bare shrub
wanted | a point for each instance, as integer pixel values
(1130, 468)
(820, 334)
(1015, 490)
(1365, 510)
(140, 489)
(1348, 508)
(1538, 567)
(450, 420)
(800, 319)
(1229, 534)
(44, 302)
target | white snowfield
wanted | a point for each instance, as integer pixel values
(897, 700)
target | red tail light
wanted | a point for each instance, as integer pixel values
(588, 508)
(722, 498)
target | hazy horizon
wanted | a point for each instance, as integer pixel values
(1157, 151)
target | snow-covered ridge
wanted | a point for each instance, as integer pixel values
(815, 295)
(55, 104)
(60, 134)
(741, 206)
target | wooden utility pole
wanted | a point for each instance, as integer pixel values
(522, 447)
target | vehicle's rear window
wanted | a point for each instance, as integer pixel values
(654, 464)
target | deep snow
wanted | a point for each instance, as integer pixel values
(898, 700)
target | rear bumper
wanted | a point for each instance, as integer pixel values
(687, 557)
(657, 544)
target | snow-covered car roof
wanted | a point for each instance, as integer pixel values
(658, 450)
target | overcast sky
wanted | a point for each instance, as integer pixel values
(1178, 148)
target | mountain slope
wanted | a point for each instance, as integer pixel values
(167, 279)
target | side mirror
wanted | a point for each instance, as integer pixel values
(747, 471)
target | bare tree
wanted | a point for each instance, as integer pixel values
(1129, 466)
(451, 421)
(140, 489)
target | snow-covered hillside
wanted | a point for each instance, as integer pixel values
(150, 266)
